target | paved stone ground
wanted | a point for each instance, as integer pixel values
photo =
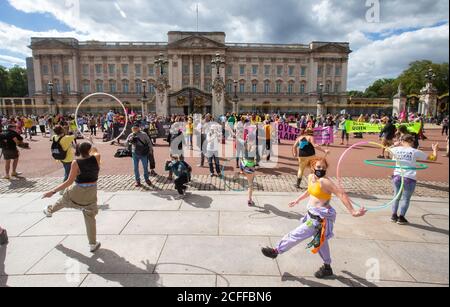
(263, 183)
(213, 239)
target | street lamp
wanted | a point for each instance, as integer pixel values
(235, 98)
(320, 102)
(218, 62)
(161, 62)
(144, 97)
(52, 101)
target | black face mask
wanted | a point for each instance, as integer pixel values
(320, 173)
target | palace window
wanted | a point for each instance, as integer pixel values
(151, 88)
(55, 69)
(138, 70)
(138, 86)
(230, 87)
(291, 71)
(112, 69)
(302, 88)
(328, 87)
(242, 87)
(57, 86)
(291, 88)
(303, 72)
(185, 69)
(279, 71)
(266, 87)
(338, 71)
(112, 86)
(320, 71)
(329, 70)
(254, 87)
(125, 69)
(99, 86)
(242, 70)
(125, 86)
(255, 70)
(67, 88)
(267, 70)
(197, 69)
(85, 69)
(229, 70)
(278, 87)
(98, 69)
(66, 69)
(86, 87)
(151, 70)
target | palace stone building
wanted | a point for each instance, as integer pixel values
(270, 77)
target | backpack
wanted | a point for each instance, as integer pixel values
(123, 153)
(58, 153)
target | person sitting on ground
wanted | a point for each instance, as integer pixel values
(182, 171)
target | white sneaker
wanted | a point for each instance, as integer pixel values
(47, 213)
(94, 247)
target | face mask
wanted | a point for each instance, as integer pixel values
(320, 173)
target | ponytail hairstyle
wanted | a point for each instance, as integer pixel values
(83, 150)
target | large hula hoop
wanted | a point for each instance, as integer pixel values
(396, 197)
(111, 96)
(420, 166)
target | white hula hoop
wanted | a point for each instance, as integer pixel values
(102, 94)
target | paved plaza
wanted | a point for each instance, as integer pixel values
(210, 239)
(151, 237)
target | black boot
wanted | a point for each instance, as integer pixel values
(323, 272)
(299, 182)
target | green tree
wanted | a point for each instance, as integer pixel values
(4, 82)
(18, 82)
(383, 88)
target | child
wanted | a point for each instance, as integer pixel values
(182, 171)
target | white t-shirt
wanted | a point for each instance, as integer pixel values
(407, 157)
(212, 142)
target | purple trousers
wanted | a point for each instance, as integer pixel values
(308, 229)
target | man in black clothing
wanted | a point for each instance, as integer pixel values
(388, 133)
(8, 143)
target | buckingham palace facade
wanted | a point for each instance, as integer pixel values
(283, 78)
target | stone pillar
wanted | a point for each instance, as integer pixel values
(191, 71)
(37, 74)
(162, 96)
(202, 74)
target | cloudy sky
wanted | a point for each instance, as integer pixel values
(385, 35)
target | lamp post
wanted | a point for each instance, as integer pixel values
(235, 98)
(144, 97)
(52, 101)
(320, 102)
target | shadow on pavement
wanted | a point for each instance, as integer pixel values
(432, 187)
(3, 275)
(268, 209)
(198, 201)
(21, 183)
(351, 281)
(105, 259)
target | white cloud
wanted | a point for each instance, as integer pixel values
(387, 58)
(286, 21)
(8, 61)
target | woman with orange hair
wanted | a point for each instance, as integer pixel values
(318, 223)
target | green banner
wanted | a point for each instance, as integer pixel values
(356, 127)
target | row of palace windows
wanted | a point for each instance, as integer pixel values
(101, 69)
(112, 86)
(279, 70)
(267, 88)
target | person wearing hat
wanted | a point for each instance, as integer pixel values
(141, 147)
(8, 143)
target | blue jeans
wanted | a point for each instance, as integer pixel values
(144, 160)
(405, 198)
(67, 167)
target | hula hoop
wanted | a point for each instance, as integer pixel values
(338, 176)
(108, 95)
(420, 166)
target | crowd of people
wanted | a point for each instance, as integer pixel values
(252, 136)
